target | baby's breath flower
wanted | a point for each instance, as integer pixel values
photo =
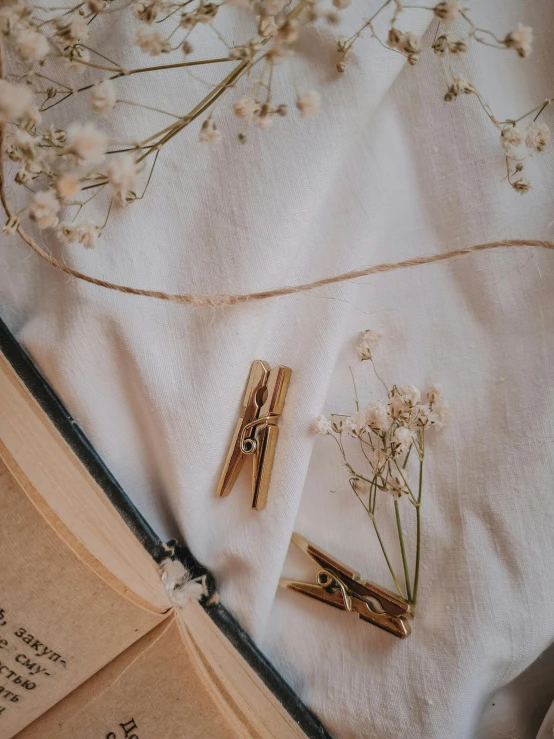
(9, 19)
(521, 40)
(246, 107)
(122, 175)
(522, 185)
(72, 29)
(209, 133)
(368, 341)
(360, 487)
(74, 56)
(459, 86)
(86, 143)
(103, 97)
(402, 440)
(288, 31)
(246, 52)
(377, 417)
(356, 423)
(26, 144)
(439, 415)
(537, 136)
(396, 485)
(341, 4)
(146, 11)
(68, 187)
(44, 209)
(54, 136)
(338, 424)
(448, 43)
(511, 137)
(267, 26)
(28, 172)
(403, 398)
(11, 225)
(263, 118)
(406, 43)
(31, 46)
(150, 41)
(14, 101)
(308, 104)
(321, 425)
(378, 458)
(85, 233)
(447, 11)
(31, 118)
(88, 234)
(434, 394)
(204, 13)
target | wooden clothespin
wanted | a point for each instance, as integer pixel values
(340, 586)
(256, 431)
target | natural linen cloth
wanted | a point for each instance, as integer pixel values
(387, 171)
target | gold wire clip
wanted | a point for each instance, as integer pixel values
(256, 431)
(340, 586)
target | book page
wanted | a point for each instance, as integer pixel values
(63, 615)
(171, 686)
(44, 464)
(152, 691)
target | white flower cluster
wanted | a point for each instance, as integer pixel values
(368, 341)
(407, 44)
(535, 137)
(391, 438)
(521, 40)
(519, 144)
(390, 430)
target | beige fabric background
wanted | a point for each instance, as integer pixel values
(387, 171)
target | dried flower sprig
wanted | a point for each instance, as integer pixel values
(50, 47)
(518, 144)
(390, 435)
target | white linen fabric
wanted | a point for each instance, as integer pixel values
(387, 171)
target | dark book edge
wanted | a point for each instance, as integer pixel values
(83, 449)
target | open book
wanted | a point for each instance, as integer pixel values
(90, 645)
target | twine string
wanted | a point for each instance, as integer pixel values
(235, 299)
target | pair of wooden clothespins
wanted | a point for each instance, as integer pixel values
(255, 435)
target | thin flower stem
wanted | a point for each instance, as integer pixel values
(406, 483)
(148, 107)
(202, 106)
(106, 58)
(107, 215)
(395, 579)
(149, 175)
(418, 525)
(355, 389)
(379, 377)
(403, 550)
